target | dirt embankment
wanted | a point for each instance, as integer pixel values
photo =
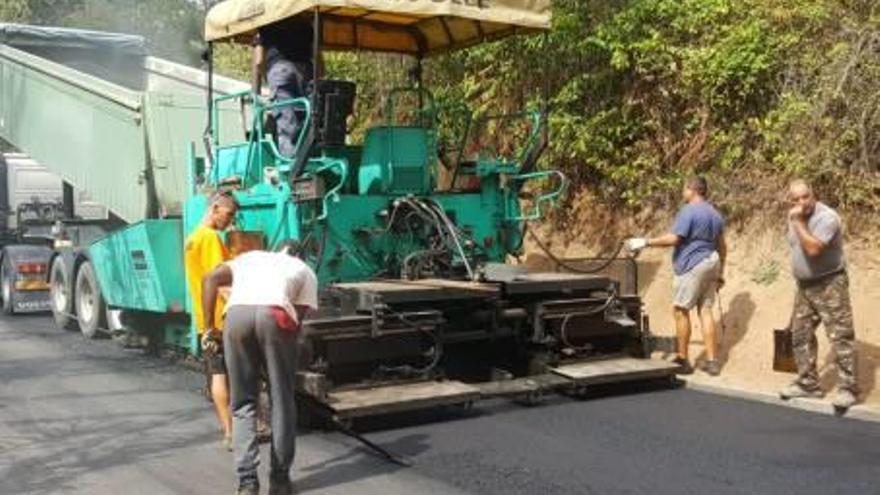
(757, 297)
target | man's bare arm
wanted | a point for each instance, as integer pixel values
(302, 310)
(811, 244)
(222, 275)
(667, 240)
(258, 68)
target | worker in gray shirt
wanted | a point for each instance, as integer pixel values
(815, 236)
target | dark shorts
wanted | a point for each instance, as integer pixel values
(215, 362)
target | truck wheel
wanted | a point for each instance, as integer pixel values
(60, 295)
(6, 288)
(91, 311)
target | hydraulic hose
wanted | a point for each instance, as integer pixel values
(605, 264)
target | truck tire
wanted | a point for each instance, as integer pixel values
(91, 311)
(61, 295)
(6, 288)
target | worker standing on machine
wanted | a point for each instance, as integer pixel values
(204, 251)
(283, 52)
(271, 294)
(698, 261)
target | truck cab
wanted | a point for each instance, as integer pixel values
(35, 206)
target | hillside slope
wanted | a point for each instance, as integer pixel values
(756, 299)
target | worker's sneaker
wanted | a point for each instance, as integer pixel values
(281, 487)
(684, 366)
(712, 368)
(227, 442)
(797, 391)
(248, 490)
(845, 399)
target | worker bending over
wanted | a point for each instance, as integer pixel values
(204, 251)
(271, 294)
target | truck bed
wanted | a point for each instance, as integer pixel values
(127, 148)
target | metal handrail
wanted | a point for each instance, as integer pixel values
(550, 197)
(332, 194)
(260, 109)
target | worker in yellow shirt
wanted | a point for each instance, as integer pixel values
(204, 252)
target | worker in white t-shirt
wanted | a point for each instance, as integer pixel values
(271, 294)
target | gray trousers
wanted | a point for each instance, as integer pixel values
(253, 342)
(288, 80)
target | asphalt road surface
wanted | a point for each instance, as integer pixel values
(90, 417)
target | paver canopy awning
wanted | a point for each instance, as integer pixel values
(417, 27)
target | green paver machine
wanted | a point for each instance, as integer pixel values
(419, 305)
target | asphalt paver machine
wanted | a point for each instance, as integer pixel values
(419, 303)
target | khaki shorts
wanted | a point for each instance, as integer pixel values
(697, 288)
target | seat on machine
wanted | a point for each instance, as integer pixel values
(232, 161)
(334, 103)
(396, 159)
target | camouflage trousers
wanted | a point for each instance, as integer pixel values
(825, 302)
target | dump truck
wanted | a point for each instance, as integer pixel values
(105, 119)
(421, 304)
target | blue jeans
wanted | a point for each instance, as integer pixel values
(288, 80)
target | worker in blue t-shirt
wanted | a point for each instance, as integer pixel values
(699, 252)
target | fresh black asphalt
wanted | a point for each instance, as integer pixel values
(90, 417)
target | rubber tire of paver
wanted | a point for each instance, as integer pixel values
(61, 296)
(91, 310)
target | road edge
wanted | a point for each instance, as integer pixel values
(859, 412)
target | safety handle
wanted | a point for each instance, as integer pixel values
(332, 194)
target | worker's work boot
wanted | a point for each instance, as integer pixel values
(684, 366)
(248, 490)
(712, 368)
(845, 399)
(797, 391)
(281, 487)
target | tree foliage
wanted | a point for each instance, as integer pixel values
(642, 92)
(747, 92)
(172, 27)
(14, 11)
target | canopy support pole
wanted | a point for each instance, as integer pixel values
(208, 137)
